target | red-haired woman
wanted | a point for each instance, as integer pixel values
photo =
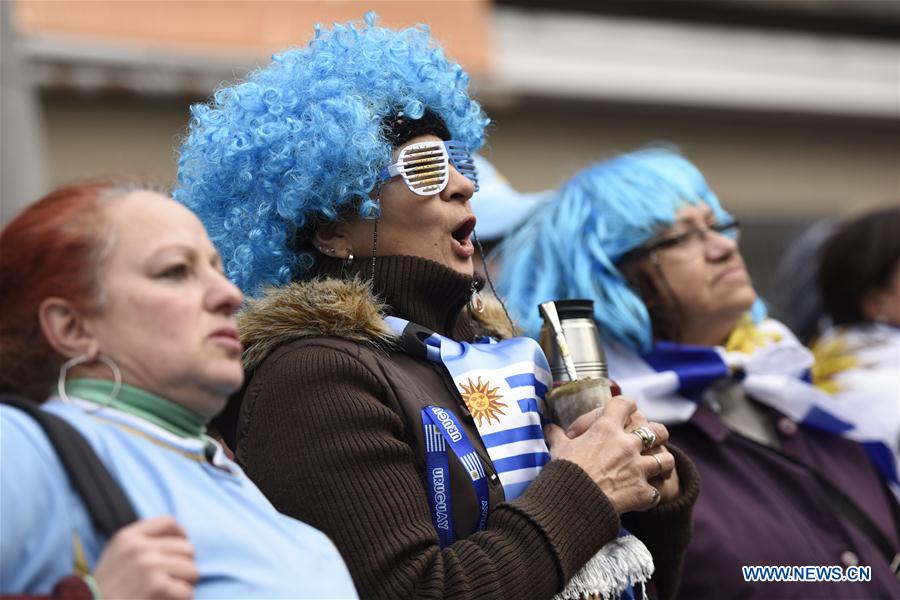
(114, 298)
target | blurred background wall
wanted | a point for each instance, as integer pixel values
(791, 108)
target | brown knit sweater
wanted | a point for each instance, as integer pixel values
(325, 430)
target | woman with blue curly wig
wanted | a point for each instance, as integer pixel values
(336, 184)
(644, 237)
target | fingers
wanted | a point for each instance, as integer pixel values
(603, 444)
(619, 410)
(161, 534)
(156, 526)
(174, 589)
(174, 546)
(659, 431)
(637, 420)
(582, 423)
(179, 568)
(645, 498)
(554, 434)
(622, 412)
(150, 559)
(656, 465)
(662, 434)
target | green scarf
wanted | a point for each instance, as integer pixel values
(172, 417)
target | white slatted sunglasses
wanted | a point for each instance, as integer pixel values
(425, 166)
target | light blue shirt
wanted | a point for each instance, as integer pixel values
(243, 547)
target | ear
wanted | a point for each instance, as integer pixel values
(65, 330)
(333, 239)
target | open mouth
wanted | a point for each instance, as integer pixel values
(462, 237)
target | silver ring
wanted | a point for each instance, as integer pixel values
(658, 462)
(648, 438)
(654, 497)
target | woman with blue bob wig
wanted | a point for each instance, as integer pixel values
(685, 334)
(336, 184)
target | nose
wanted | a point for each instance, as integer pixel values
(223, 296)
(459, 187)
(718, 246)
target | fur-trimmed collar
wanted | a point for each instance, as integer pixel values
(332, 308)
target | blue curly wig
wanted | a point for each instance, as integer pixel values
(570, 247)
(302, 141)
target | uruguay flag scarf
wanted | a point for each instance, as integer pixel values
(858, 367)
(772, 366)
(503, 385)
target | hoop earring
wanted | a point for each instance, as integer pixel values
(78, 360)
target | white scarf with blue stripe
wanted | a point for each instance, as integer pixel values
(772, 366)
(503, 385)
(859, 368)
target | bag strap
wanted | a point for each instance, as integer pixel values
(843, 505)
(106, 502)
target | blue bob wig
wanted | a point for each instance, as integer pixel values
(302, 141)
(569, 248)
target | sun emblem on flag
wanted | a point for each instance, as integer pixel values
(482, 401)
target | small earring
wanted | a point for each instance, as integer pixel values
(476, 304)
(78, 360)
(325, 250)
(349, 260)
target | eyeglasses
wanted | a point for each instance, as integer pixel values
(692, 238)
(425, 166)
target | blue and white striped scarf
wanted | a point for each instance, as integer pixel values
(772, 366)
(503, 385)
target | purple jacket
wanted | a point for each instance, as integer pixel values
(757, 507)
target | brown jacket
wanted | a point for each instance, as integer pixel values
(329, 427)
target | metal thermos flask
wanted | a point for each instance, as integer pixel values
(583, 340)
